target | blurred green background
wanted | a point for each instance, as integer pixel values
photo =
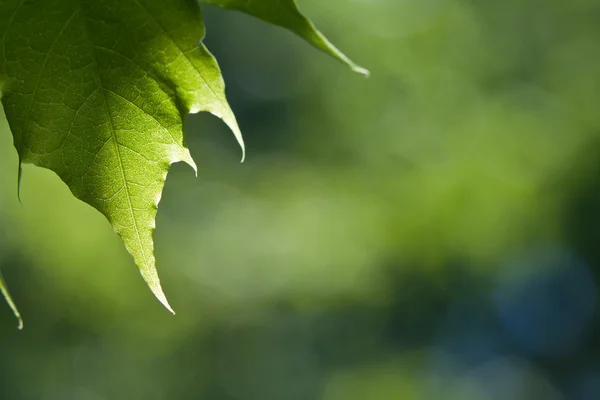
(431, 232)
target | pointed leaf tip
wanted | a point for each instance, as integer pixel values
(239, 138)
(243, 155)
(150, 275)
(163, 299)
(160, 295)
(363, 71)
(10, 302)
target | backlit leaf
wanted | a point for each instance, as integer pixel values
(97, 91)
(285, 13)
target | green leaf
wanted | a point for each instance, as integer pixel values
(285, 13)
(96, 91)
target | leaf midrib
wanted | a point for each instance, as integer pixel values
(116, 142)
(121, 169)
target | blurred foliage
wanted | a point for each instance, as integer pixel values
(428, 233)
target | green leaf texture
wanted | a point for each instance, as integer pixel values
(96, 91)
(285, 13)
